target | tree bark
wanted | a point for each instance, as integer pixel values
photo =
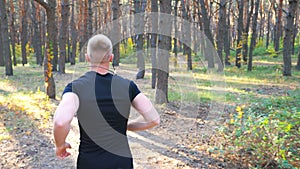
(13, 32)
(63, 35)
(298, 62)
(175, 48)
(278, 27)
(5, 39)
(49, 46)
(161, 93)
(139, 7)
(227, 37)
(208, 33)
(24, 31)
(2, 62)
(287, 42)
(37, 44)
(73, 35)
(246, 32)
(187, 35)
(240, 32)
(254, 34)
(116, 31)
(154, 24)
(221, 32)
(268, 26)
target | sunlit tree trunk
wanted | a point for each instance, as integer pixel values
(287, 42)
(49, 46)
(298, 62)
(5, 39)
(254, 34)
(268, 25)
(227, 36)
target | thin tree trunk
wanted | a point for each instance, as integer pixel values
(37, 45)
(63, 35)
(246, 31)
(161, 93)
(116, 31)
(208, 33)
(175, 48)
(268, 26)
(278, 27)
(24, 31)
(187, 36)
(154, 24)
(139, 7)
(73, 35)
(227, 37)
(2, 62)
(5, 39)
(13, 31)
(287, 42)
(240, 32)
(221, 32)
(298, 62)
(254, 34)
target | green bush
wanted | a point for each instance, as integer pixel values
(266, 134)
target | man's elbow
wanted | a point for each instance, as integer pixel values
(156, 122)
(60, 123)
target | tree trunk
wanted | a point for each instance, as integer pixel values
(287, 42)
(139, 7)
(116, 32)
(175, 48)
(227, 37)
(161, 93)
(63, 35)
(221, 32)
(37, 44)
(49, 46)
(186, 31)
(278, 27)
(2, 61)
(254, 34)
(154, 24)
(12, 32)
(73, 35)
(90, 19)
(246, 32)
(240, 32)
(5, 39)
(208, 33)
(268, 26)
(24, 31)
(298, 62)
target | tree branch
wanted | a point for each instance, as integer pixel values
(43, 3)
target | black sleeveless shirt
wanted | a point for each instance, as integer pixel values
(104, 107)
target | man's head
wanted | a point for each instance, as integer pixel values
(99, 49)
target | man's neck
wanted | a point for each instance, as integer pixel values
(102, 68)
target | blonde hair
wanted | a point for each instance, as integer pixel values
(99, 49)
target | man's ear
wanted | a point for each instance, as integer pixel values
(87, 58)
(111, 57)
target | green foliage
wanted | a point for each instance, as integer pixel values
(266, 133)
(127, 52)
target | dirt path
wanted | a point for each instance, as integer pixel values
(181, 141)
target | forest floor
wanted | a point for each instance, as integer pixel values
(184, 139)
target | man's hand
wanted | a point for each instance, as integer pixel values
(61, 151)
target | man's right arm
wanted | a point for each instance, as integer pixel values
(149, 116)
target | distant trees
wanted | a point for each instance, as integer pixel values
(231, 26)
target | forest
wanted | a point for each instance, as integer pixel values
(224, 75)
